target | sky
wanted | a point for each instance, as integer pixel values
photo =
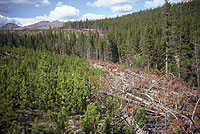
(26, 12)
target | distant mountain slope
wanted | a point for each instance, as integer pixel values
(43, 25)
(185, 0)
(9, 26)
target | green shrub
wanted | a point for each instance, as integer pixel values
(140, 117)
(37, 127)
(106, 124)
(130, 128)
(91, 119)
(61, 121)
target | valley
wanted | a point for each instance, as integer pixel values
(133, 74)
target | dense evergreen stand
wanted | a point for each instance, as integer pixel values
(170, 32)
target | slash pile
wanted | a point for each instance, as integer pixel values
(169, 106)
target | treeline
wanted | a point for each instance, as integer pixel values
(139, 39)
(60, 41)
(164, 38)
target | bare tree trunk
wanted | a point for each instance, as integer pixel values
(88, 54)
(148, 67)
(197, 63)
(97, 53)
(178, 65)
(100, 56)
(166, 61)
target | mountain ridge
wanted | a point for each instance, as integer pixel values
(9, 26)
(38, 25)
(43, 25)
(185, 0)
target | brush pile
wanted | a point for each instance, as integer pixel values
(169, 106)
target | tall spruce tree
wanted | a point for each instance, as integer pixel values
(166, 33)
(174, 45)
(147, 46)
(196, 54)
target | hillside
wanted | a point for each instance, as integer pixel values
(9, 26)
(140, 40)
(151, 39)
(185, 0)
(134, 74)
(145, 39)
(42, 25)
(72, 95)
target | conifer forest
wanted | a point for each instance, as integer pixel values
(134, 74)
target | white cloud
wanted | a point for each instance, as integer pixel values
(175, 1)
(4, 20)
(37, 3)
(19, 1)
(61, 13)
(118, 7)
(59, 4)
(45, 2)
(29, 2)
(53, 16)
(156, 3)
(109, 3)
(26, 21)
(92, 16)
(121, 9)
(64, 12)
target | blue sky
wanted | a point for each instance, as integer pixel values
(25, 12)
